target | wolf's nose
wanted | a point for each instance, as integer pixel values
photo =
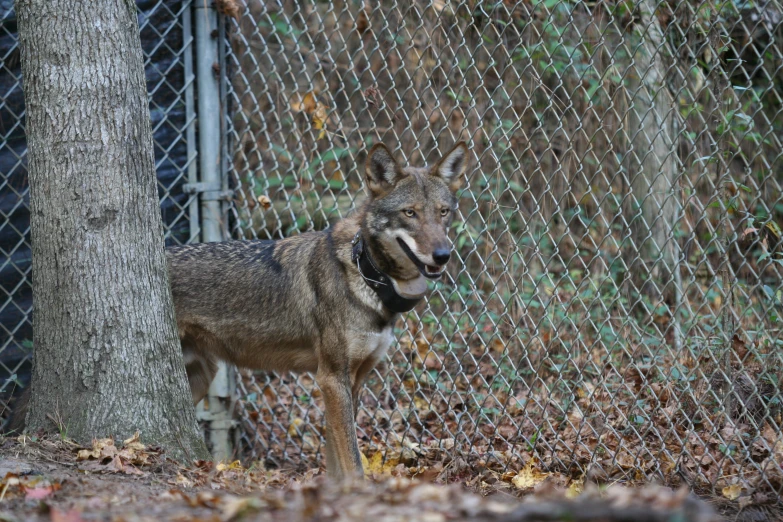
(441, 256)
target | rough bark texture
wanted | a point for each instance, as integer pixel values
(652, 130)
(107, 359)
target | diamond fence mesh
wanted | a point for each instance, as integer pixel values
(167, 43)
(613, 307)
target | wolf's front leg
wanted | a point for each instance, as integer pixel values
(342, 450)
(359, 379)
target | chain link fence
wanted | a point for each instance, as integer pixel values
(167, 43)
(613, 307)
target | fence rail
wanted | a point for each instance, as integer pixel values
(613, 306)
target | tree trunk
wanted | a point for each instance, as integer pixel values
(107, 359)
(652, 163)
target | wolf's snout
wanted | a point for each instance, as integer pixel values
(441, 256)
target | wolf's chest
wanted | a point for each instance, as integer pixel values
(365, 346)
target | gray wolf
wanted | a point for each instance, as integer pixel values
(322, 302)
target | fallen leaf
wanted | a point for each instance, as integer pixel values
(99, 447)
(293, 428)
(421, 404)
(183, 481)
(232, 466)
(233, 507)
(625, 460)
(309, 104)
(205, 499)
(87, 454)
(498, 345)
(306, 103)
(319, 119)
(265, 202)
(10, 480)
(575, 488)
(228, 8)
(667, 464)
(365, 464)
(134, 443)
(732, 492)
(429, 474)
(529, 477)
(748, 231)
(376, 465)
(38, 493)
(117, 464)
(738, 345)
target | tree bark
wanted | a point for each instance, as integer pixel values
(107, 359)
(652, 163)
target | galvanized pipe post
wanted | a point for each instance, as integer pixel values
(212, 191)
(190, 116)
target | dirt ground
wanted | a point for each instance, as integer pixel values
(60, 481)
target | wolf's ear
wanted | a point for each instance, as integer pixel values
(451, 167)
(381, 171)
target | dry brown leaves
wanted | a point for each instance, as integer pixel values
(227, 491)
(529, 477)
(401, 499)
(632, 433)
(28, 487)
(404, 499)
(264, 201)
(105, 457)
(648, 504)
(229, 8)
(310, 105)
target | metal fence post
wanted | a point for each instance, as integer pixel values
(190, 116)
(216, 408)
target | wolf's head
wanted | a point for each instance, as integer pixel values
(410, 210)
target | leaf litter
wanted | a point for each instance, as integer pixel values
(631, 427)
(60, 481)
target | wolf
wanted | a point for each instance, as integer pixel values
(323, 302)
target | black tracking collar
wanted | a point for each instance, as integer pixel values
(377, 280)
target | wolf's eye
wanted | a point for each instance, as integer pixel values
(444, 212)
(409, 212)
